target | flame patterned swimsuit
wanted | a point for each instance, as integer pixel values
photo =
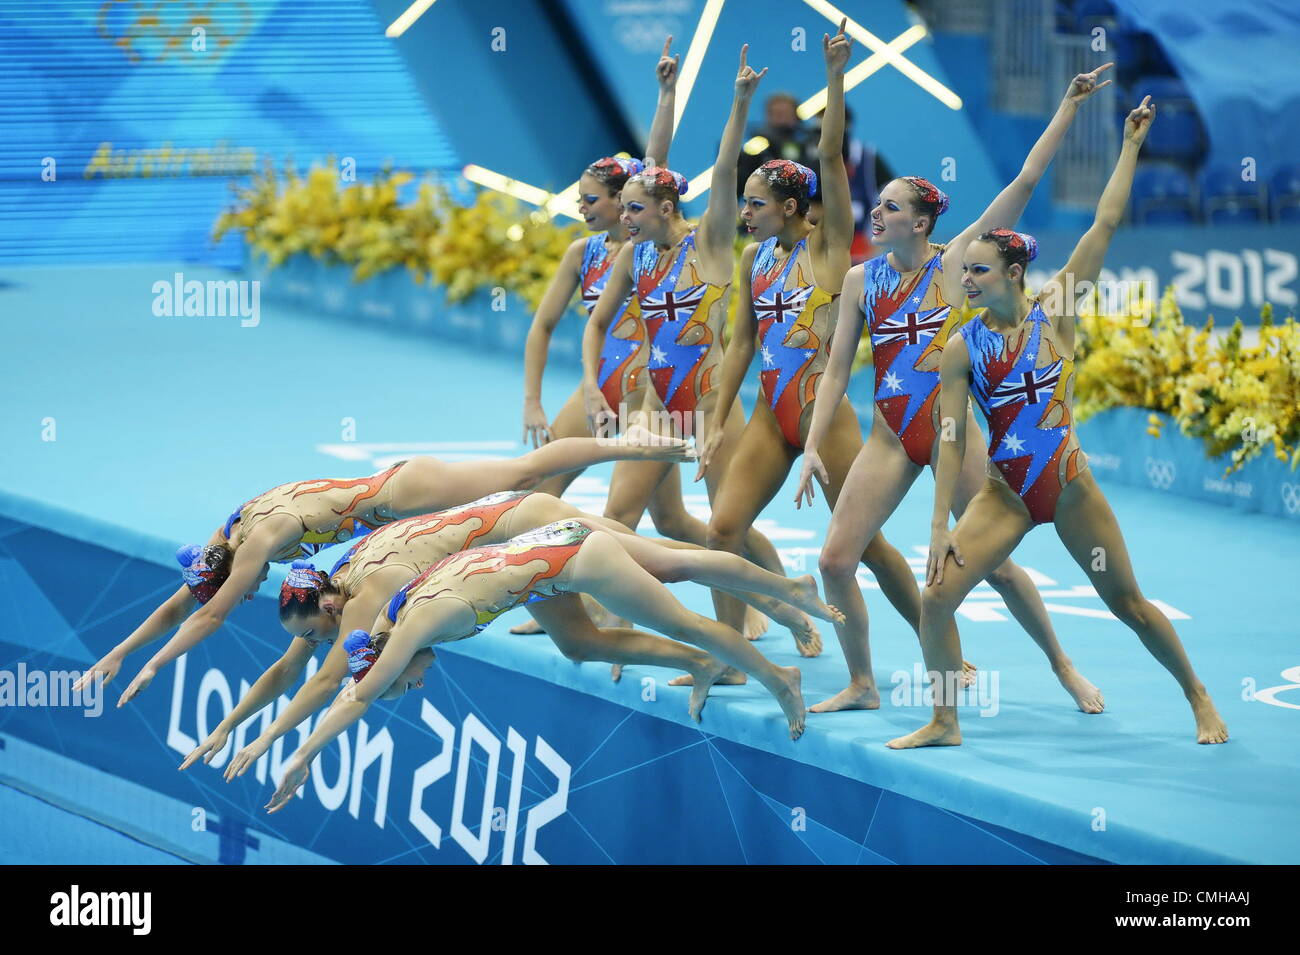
(366, 504)
(495, 578)
(1025, 393)
(416, 542)
(682, 358)
(791, 334)
(622, 357)
(909, 322)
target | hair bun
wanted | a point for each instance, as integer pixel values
(1031, 245)
(361, 655)
(634, 166)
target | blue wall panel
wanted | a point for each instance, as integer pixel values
(122, 79)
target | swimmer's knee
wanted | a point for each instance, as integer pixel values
(577, 653)
(672, 521)
(725, 535)
(628, 517)
(836, 564)
(1003, 577)
(941, 599)
(1132, 609)
(878, 553)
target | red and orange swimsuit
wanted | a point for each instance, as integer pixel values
(366, 503)
(790, 343)
(416, 542)
(495, 578)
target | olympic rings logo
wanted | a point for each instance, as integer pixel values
(1161, 473)
(1291, 497)
(155, 30)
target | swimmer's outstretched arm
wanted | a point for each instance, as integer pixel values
(279, 676)
(660, 139)
(617, 289)
(1090, 252)
(249, 564)
(162, 621)
(716, 238)
(311, 696)
(347, 709)
(555, 302)
(1008, 205)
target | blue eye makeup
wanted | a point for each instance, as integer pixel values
(590, 200)
(634, 207)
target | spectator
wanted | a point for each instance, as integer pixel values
(787, 136)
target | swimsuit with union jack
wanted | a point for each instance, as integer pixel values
(622, 356)
(682, 358)
(1027, 406)
(790, 345)
(909, 323)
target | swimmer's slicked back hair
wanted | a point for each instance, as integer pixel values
(789, 180)
(662, 184)
(927, 199)
(302, 589)
(1014, 248)
(613, 173)
(204, 568)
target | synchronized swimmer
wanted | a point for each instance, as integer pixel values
(436, 551)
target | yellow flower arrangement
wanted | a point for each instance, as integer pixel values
(488, 244)
(1240, 400)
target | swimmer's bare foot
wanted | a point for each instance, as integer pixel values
(701, 680)
(755, 624)
(657, 447)
(852, 697)
(1210, 727)
(968, 671)
(791, 699)
(804, 595)
(528, 626)
(807, 638)
(616, 672)
(1086, 696)
(729, 677)
(934, 733)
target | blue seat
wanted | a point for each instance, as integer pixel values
(1178, 133)
(1167, 215)
(1234, 212)
(1162, 89)
(1284, 185)
(1162, 194)
(1230, 200)
(1093, 8)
